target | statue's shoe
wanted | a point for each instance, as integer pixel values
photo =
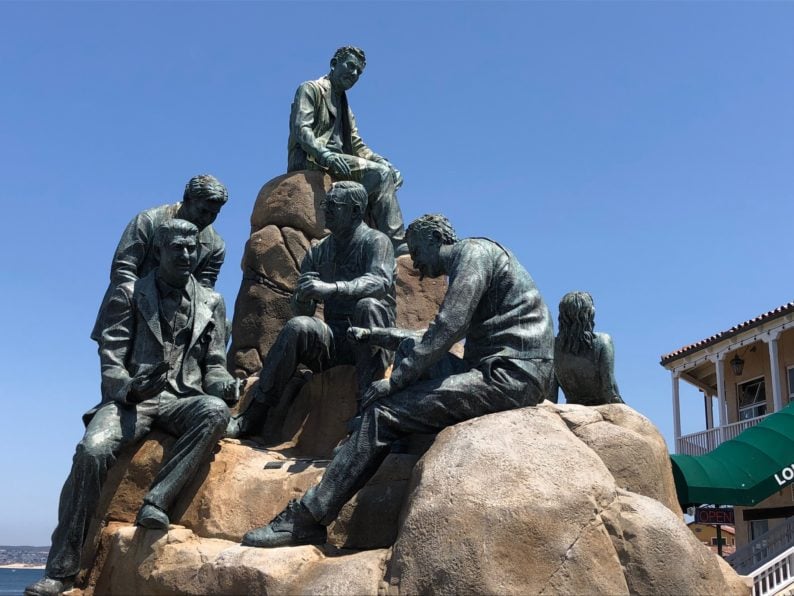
(48, 586)
(235, 428)
(292, 527)
(152, 518)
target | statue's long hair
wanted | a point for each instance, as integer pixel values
(576, 322)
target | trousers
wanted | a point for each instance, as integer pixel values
(197, 422)
(319, 346)
(427, 406)
(383, 210)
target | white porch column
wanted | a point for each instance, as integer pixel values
(719, 363)
(709, 410)
(774, 367)
(676, 410)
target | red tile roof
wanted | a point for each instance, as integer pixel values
(736, 329)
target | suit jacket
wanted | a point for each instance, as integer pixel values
(135, 255)
(132, 341)
(311, 124)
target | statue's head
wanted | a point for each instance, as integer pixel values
(346, 67)
(344, 206)
(425, 237)
(176, 243)
(203, 199)
(576, 322)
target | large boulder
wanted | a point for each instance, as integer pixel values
(285, 222)
(527, 501)
(516, 503)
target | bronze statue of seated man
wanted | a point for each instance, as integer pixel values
(494, 304)
(323, 136)
(352, 272)
(163, 354)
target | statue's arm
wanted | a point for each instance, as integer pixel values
(209, 273)
(302, 120)
(115, 342)
(359, 147)
(469, 277)
(388, 338)
(216, 379)
(606, 365)
(135, 243)
(300, 306)
(378, 274)
(362, 150)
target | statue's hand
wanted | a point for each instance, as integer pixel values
(315, 289)
(148, 384)
(231, 391)
(358, 334)
(337, 164)
(377, 390)
(302, 283)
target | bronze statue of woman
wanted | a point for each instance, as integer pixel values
(584, 361)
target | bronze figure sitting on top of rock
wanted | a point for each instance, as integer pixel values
(163, 366)
(494, 304)
(352, 273)
(584, 361)
(323, 135)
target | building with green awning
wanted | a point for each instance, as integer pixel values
(742, 471)
(745, 378)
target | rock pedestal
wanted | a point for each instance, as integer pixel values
(553, 499)
(527, 501)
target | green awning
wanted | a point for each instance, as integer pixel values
(743, 471)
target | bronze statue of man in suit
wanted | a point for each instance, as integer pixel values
(323, 136)
(163, 366)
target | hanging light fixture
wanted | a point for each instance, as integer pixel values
(737, 362)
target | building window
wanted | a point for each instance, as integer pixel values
(790, 374)
(714, 542)
(758, 528)
(752, 399)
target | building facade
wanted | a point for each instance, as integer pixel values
(745, 374)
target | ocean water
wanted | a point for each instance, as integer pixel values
(14, 581)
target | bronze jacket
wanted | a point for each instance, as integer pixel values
(132, 341)
(311, 124)
(135, 255)
(493, 303)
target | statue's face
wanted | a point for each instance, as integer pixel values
(178, 259)
(200, 212)
(424, 248)
(345, 71)
(338, 213)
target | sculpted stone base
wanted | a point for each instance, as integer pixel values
(552, 499)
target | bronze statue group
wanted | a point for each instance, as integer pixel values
(162, 334)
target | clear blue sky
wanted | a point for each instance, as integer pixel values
(641, 151)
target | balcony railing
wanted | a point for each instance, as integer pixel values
(763, 549)
(707, 440)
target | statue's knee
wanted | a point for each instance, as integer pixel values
(94, 448)
(215, 412)
(365, 309)
(296, 327)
